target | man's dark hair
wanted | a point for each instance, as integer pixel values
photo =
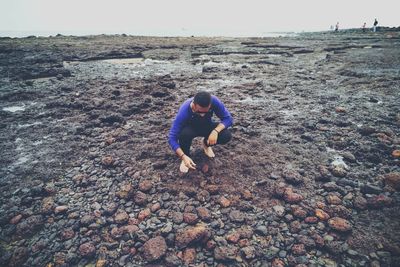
(203, 99)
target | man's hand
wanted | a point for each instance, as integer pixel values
(189, 162)
(212, 139)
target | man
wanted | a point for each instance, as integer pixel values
(375, 24)
(194, 119)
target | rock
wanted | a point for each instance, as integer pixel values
(87, 250)
(121, 217)
(338, 171)
(189, 256)
(393, 180)
(16, 219)
(379, 201)
(190, 235)
(145, 185)
(155, 207)
(154, 248)
(340, 224)
(30, 225)
(87, 220)
(291, 197)
(125, 192)
(47, 205)
(311, 220)
(203, 196)
(246, 194)
(60, 209)
(129, 229)
(224, 202)
(190, 218)
(370, 189)
(366, 130)
(396, 153)
(19, 257)
(108, 161)
(249, 252)
(299, 212)
(172, 260)
(279, 210)
(278, 263)
(204, 214)
(340, 110)
(360, 202)
(233, 237)
(67, 234)
(101, 263)
(322, 215)
(140, 198)
(324, 174)
(236, 216)
(110, 209)
(292, 177)
(261, 230)
(225, 253)
(298, 249)
(143, 214)
(333, 199)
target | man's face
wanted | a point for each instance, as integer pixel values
(200, 110)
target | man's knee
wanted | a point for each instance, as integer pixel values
(224, 137)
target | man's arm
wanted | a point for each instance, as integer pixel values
(223, 114)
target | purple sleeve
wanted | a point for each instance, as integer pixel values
(221, 112)
(182, 116)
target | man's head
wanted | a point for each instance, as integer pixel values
(202, 102)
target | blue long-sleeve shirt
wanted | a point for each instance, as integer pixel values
(185, 114)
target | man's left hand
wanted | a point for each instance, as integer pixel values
(212, 139)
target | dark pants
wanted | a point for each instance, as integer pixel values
(204, 130)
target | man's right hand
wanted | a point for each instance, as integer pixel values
(189, 162)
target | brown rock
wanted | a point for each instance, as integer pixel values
(393, 180)
(30, 225)
(107, 161)
(311, 219)
(322, 215)
(360, 203)
(213, 189)
(292, 177)
(340, 224)
(116, 232)
(396, 153)
(190, 218)
(299, 212)
(145, 185)
(211, 244)
(246, 194)
(47, 205)
(295, 227)
(233, 237)
(333, 199)
(249, 252)
(291, 197)
(143, 214)
(278, 263)
(67, 234)
(224, 202)
(246, 232)
(203, 196)
(188, 235)
(155, 207)
(204, 213)
(129, 229)
(298, 249)
(60, 209)
(189, 256)
(205, 168)
(225, 253)
(101, 263)
(80, 178)
(121, 217)
(87, 250)
(340, 110)
(125, 191)
(19, 256)
(237, 216)
(338, 171)
(177, 217)
(379, 201)
(16, 219)
(140, 198)
(154, 248)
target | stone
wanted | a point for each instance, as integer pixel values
(340, 224)
(204, 214)
(143, 214)
(30, 225)
(60, 209)
(292, 177)
(279, 210)
(360, 202)
(322, 215)
(87, 219)
(225, 253)
(154, 248)
(278, 263)
(190, 218)
(236, 216)
(393, 180)
(249, 252)
(189, 235)
(177, 217)
(145, 185)
(16, 219)
(155, 207)
(67, 234)
(338, 171)
(311, 220)
(292, 197)
(130, 229)
(47, 205)
(108, 161)
(246, 194)
(233, 237)
(19, 256)
(261, 230)
(224, 202)
(87, 250)
(125, 192)
(333, 199)
(298, 249)
(189, 256)
(379, 201)
(121, 217)
(299, 212)
(203, 196)
(140, 198)
(101, 263)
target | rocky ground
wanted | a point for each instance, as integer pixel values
(311, 177)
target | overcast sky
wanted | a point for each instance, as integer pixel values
(212, 17)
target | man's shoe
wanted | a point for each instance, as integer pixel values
(208, 151)
(183, 167)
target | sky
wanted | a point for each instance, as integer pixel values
(187, 17)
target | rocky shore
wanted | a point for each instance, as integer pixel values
(311, 177)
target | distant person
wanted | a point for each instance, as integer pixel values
(364, 26)
(332, 28)
(337, 27)
(193, 120)
(375, 24)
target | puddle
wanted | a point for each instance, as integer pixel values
(14, 109)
